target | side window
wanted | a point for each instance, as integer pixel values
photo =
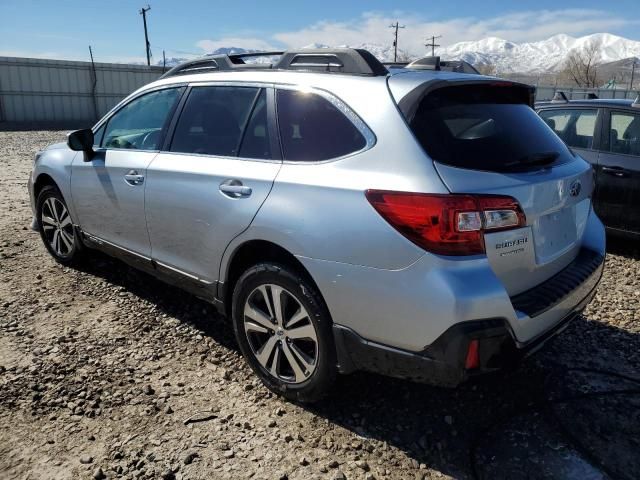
(140, 124)
(313, 129)
(97, 136)
(624, 134)
(576, 127)
(255, 142)
(213, 120)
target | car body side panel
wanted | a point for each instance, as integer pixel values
(109, 207)
(618, 180)
(55, 161)
(319, 209)
(410, 308)
(190, 220)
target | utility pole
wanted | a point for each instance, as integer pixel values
(395, 42)
(633, 70)
(143, 12)
(433, 44)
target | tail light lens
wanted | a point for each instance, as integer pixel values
(447, 224)
(472, 360)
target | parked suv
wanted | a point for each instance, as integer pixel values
(422, 224)
(606, 133)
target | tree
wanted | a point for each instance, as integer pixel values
(487, 69)
(581, 67)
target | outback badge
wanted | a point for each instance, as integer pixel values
(575, 188)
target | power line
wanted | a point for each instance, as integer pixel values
(395, 41)
(433, 44)
(143, 12)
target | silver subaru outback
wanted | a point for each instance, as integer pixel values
(422, 224)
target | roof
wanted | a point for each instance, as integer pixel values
(400, 80)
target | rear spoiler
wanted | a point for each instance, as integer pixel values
(410, 102)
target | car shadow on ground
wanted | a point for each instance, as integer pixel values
(571, 410)
(625, 246)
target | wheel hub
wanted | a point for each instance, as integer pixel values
(282, 337)
(57, 226)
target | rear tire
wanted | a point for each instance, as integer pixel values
(58, 233)
(284, 331)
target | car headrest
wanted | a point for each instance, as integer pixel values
(633, 130)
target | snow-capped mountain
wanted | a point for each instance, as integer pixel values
(173, 61)
(508, 57)
(545, 55)
(383, 53)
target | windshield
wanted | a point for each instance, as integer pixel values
(485, 127)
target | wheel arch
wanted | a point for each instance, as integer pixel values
(43, 180)
(252, 252)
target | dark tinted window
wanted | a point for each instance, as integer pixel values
(312, 128)
(255, 142)
(485, 128)
(140, 123)
(213, 120)
(575, 126)
(624, 134)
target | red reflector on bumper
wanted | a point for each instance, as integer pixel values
(473, 357)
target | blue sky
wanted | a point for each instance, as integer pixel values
(64, 28)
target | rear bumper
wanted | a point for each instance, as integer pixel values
(443, 361)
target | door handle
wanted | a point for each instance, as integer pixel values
(133, 178)
(616, 171)
(235, 189)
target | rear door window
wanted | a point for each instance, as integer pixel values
(624, 134)
(213, 120)
(313, 129)
(485, 127)
(575, 126)
(255, 142)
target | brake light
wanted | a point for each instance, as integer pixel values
(447, 224)
(472, 359)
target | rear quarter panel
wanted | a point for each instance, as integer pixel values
(319, 209)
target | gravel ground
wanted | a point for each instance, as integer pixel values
(102, 368)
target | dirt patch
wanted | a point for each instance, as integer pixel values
(101, 366)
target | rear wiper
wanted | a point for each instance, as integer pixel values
(534, 159)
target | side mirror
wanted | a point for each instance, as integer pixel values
(81, 141)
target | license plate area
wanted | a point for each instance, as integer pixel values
(555, 233)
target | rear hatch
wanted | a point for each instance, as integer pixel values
(485, 138)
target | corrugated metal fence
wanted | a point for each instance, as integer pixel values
(57, 92)
(36, 92)
(573, 93)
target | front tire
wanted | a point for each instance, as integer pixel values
(56, 227)
(284, 332)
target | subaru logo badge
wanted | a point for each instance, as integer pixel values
(574, 188)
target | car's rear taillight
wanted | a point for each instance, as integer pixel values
(447, 224)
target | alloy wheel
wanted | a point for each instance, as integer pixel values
(57, 226)
(280, 333)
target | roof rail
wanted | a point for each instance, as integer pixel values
(559, 97)
(350, 61)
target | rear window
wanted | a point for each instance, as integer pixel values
(485, 127)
